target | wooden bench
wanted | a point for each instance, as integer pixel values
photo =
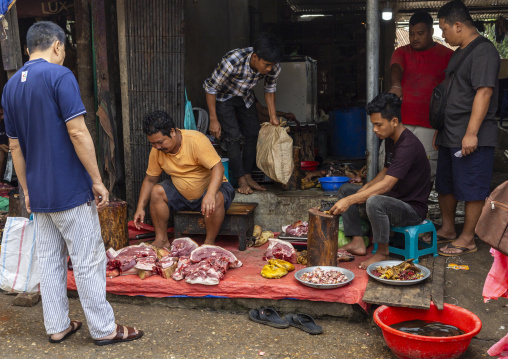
(239, 221)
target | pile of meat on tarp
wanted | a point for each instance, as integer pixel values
(185, 259)
(298, 228)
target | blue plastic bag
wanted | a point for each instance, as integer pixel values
(189, 121)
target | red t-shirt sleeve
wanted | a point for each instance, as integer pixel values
(399, 57)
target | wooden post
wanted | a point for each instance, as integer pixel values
(9, 41)
(84, 64)
(322, 240)
(295, 181)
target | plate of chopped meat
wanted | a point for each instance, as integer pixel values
(324, 277)
(398, 272)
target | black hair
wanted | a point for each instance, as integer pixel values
(455, 11)
(421, 17)
(387, 104)
(268, 47)
(42, 35)
(158, 121)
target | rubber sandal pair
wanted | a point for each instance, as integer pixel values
(75, 327)
(463, 250)
(131, 335)
(269, 316)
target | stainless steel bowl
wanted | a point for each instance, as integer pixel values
(425, 271)
(349, 275)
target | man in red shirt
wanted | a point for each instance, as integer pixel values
(415, 70)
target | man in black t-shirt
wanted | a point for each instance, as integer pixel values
(398, 194)
(468, 139)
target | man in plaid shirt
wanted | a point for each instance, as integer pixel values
(230, 103)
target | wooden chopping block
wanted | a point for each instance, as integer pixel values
(113, 219)
(295, 181)
(322, 238)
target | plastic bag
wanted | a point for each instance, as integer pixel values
(19, 271)
(496, 284)
(8, 168)
(275, 152)
(189, 121)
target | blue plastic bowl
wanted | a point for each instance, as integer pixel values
(329, 184)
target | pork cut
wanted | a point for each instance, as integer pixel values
(280, 250)
(183, 264)
(166, 266)
(297, 229)
(126, 258)
(146, 263)
(182, 247)
(209, 271)
(207, 251)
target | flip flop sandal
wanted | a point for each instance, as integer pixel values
(268, 316)
(463, 250)
(304, 322)
(131, 335)
(75, 325)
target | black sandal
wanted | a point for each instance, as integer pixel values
(268, 316)
(304, 322)
(75, 327)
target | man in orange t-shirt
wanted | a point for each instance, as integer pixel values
(415, 70)
(197, 178)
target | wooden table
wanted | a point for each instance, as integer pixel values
(239, 221)
(411, 296)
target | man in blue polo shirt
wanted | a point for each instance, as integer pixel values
(55, 162)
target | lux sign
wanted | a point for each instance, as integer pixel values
(54, 7)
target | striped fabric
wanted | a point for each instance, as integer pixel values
(75, 232)
(233, 76)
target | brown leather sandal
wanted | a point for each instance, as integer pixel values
(131, 335)
(75, 325)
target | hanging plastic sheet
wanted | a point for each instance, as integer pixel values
(5, 5)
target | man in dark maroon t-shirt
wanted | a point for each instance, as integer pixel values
(398, 194)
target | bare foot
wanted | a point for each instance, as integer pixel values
(378, 257)
(448, 235)
(253, 184)
(112, 335)
(243, 186)
(356, 247)
(161, 243)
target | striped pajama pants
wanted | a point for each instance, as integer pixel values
(76, 232)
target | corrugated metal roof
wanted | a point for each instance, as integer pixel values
(479, 9)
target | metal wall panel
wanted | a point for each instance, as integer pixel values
(154, 46)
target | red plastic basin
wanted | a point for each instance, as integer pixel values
(410, 346)
(309, 165)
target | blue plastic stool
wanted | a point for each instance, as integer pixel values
(411, 233)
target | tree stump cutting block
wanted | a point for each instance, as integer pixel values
(322, 238)
(113, 221)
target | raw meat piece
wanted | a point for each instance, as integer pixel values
(209, 271)
(166, 266)
(126, 258)
(280, 250)
(130, 271)
(182, 247)
(143, 274)
(146, 263)
(183, 263)
(206, 251)
(298, 229)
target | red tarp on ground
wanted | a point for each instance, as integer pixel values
(243, 282)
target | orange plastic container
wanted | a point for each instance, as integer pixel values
(410, 346)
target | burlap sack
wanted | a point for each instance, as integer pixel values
(275, 152)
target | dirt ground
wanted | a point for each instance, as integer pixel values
(193, 333)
